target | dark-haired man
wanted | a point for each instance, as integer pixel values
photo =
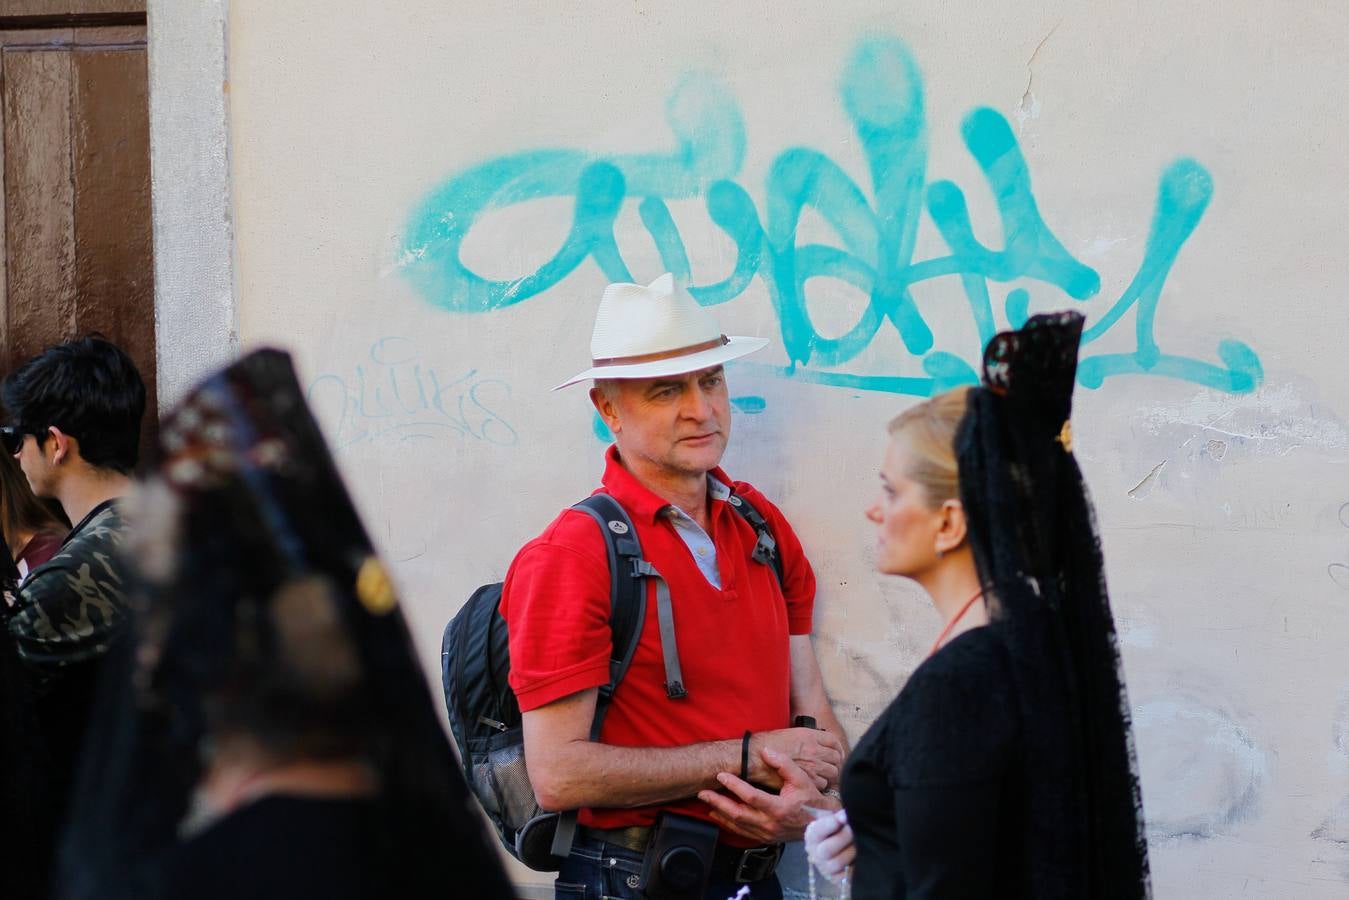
(74, 417)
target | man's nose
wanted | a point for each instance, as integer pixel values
(696, 404)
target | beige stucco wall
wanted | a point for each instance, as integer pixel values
(1224, 511)
(195, 297)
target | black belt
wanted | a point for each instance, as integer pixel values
(740, 865)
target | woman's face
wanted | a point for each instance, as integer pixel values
(906, 524)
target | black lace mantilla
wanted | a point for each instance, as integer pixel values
(247, 536)
(1033, 532)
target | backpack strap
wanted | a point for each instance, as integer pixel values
(627, 607)
(627, 612)
(674, 676)
(765, 549)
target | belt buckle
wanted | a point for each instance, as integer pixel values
(757, 863)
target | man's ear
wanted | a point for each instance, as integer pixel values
(605, 406)
(62, 444)
(951, 532)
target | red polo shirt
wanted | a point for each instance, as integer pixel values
(732, 641)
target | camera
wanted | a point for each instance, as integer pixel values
(678, 860)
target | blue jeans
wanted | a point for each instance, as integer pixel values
(598, 871)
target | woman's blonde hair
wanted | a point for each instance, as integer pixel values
(930, 430)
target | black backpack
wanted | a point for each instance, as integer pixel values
(484, 715)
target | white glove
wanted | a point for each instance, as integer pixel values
(829, 844)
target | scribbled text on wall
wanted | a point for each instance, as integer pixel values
(395, 395)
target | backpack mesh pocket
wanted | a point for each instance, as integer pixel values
(501, 781)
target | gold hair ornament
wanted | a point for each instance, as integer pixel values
(1065, 436)
(374, 588)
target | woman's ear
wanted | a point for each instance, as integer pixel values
(951, 529)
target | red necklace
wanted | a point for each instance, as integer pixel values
(952, 624)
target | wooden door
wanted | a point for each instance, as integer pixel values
(75, 160)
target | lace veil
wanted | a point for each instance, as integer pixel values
(1033, 533)
(244, 539)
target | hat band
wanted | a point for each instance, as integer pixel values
(719, 341)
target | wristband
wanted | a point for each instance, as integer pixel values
(744, 756)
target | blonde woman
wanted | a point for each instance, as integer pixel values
(1005, 765)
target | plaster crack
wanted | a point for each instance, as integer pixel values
(1030, 72)
(1144, 487)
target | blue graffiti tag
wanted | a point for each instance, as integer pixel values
(395, 395)
(882, 93)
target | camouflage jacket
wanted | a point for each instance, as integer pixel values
(70, 608)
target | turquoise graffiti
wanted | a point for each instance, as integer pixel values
(882, 94)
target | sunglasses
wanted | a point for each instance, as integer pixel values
(11, 439)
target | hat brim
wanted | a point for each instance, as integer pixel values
(734, 348)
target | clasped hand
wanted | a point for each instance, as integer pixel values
(770, 818)
(818, 753)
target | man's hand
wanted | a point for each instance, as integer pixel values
(568, 770)
(818, 753)
(764, 817)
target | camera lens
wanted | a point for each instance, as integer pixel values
(681, 868)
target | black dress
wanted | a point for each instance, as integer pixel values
(283, 847)
(932, 790)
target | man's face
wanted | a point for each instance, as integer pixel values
(33, 460)
(678, 424)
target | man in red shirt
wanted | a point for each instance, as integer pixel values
(743, 639)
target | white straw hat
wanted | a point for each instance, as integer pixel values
(646, 332)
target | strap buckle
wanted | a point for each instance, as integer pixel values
(765, 548)
(757, 863)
